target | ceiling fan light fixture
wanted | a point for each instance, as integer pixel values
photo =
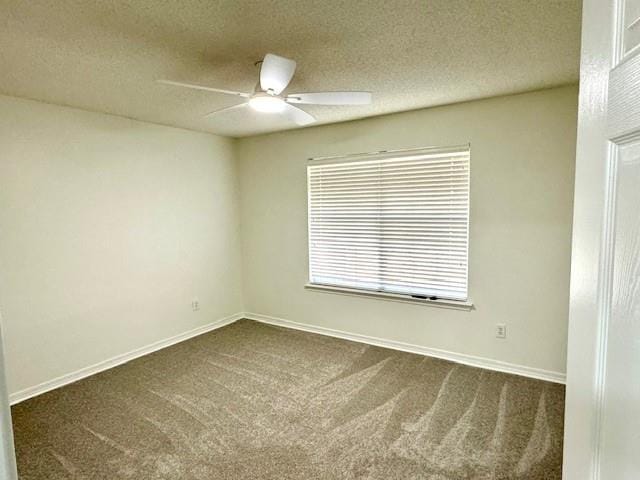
(267, 104)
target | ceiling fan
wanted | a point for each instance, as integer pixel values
(275, 75)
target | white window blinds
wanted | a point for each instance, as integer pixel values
(391, 222)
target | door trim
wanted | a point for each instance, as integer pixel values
(8, 469)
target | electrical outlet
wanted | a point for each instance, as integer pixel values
(501, 330)
(195, 304)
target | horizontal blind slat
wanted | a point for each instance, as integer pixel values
(402, 183)
(435, 261)
(400, 272)
(459, 175)
(458, 294)
(386, 196)
(396, 163)
(390, 280)
(406, 245)
(389, 233)
(437, 172)
(448, 257)
(386, 167)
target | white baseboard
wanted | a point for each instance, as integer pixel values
(22, 395)
(471, 360)
(481, 362)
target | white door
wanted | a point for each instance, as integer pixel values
(602, 426)
(7, 459)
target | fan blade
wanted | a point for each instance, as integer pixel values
(297, 115)
(201, 87)
(276, 73)
(331, 98)
(226, 109)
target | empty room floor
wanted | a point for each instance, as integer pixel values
(254, 401)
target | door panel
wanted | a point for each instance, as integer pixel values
(619, 441)
(624, 97)
(602, 420)
(621, 425)
(631, 25)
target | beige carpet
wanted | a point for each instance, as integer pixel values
(251, 401)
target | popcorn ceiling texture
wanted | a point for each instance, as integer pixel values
(256, 402)
(106, 56)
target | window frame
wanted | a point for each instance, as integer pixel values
(437, 301)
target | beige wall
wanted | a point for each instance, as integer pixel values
(108, 229)
(522, 157)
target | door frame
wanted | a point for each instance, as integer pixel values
(592, 243)
(7, 456)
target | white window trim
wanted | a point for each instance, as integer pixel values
(393, 297)
(456, 304)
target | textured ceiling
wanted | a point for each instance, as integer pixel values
(106, 55)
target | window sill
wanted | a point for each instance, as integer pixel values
(394, 297)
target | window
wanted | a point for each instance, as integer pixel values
(393, 222)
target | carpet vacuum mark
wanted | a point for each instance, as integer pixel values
(253, 401)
